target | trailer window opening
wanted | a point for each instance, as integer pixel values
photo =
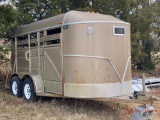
(33, 44)
(41, 43)
(41, 34)
(119, 30)
(23, 46)
(13, 39)
(21, 38)
(33, 36)
(53, 31)
(22, 41)
(57, 41)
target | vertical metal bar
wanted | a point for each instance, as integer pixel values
(61, 60)
(16, 54)
(45, 34)
(38, 47)
(29, 48)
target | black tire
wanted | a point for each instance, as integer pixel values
(16, 86)
(28, 91)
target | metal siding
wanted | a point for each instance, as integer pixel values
(52, 59)
(53, 87)
(34, 71)
(103, 90)
(34, 51)
(21, 52)
(101, 43)
(81, 71)
(34, 62)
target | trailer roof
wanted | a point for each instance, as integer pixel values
(71, 17)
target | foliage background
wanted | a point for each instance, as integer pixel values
(142, 16)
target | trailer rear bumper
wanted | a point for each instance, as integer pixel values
(103, 90)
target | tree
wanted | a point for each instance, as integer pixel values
(8, 21)
(143, 18)
(144, 23)
(34, 10)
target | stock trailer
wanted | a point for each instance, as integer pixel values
(75, 55)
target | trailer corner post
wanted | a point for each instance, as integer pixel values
(16, 53)
(38, 43)
(29, 48)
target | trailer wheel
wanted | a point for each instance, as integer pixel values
(16, 86)
(28, 91)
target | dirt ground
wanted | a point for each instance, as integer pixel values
(155, 103)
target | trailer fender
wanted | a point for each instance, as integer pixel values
(37, 81)
(14, 75)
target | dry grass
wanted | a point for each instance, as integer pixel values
(12, 108)
(5, 72)
(156, 104)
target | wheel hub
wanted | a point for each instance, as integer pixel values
(14, 88)
(27, 91)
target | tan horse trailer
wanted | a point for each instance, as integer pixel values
(76, 54)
